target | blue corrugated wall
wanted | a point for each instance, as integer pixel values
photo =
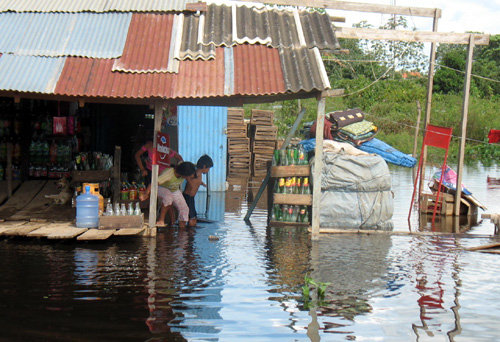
(202, 130)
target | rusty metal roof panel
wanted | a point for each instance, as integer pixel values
(303, 70)
(29, 73)
(94, 78)
(58, 34)
(93, 5)
(200, 78)
(257, 70)
(247, 70)
(148, 44)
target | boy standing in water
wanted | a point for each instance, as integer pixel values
(193, 183)
(169, 191)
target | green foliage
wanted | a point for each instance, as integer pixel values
(313, 288)
(451, 58)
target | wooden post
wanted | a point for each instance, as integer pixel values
(465, 112)
(318, 166)
(415, 141)
(117, 173)
(8, 171)
(430, 83)
(154, 172)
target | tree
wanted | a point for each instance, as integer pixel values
(451, 60)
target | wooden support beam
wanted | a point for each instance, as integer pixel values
(463, 133)
(154, 172)
(8, 171)
(332, 92)
(116, 173)
(337, 19)
(358, 7)
(410, 36)
(318, 166)
(428, 104)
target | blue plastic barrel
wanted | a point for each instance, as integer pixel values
(87, 210)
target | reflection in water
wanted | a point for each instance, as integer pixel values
(247, 285)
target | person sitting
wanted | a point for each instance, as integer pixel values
(193, 183)
(169, 185)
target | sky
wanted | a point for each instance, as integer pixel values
(457, 15)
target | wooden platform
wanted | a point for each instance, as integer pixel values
(67, 231)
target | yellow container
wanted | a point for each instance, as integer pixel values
(94, 190)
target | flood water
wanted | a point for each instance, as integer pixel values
(246, 286)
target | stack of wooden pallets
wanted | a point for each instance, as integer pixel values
(263, 139)
(238, 143)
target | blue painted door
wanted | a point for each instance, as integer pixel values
(202, 130)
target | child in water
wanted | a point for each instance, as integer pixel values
(169, 182)
(193, 183)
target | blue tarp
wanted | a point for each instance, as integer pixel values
(389, 153)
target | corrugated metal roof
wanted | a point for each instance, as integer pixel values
(148, 44)
(200, 78)
(303, 70)
(230, 25)
(257, 70)
(93, 5)
(29, 73)
(95, 78)
(191, 46)
(57, 34)
(249, 70)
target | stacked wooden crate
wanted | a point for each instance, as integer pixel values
(263, 139)
(238, 143)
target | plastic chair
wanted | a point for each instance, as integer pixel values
(439, 137)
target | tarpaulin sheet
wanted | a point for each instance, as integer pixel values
(355, 192)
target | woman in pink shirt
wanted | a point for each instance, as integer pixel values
(146, 169)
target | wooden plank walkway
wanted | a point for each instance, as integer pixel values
(22, 197)
(68, 231)
(96, 234)
(41, 208)
(3, 189)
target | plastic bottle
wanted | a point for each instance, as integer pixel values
(132, 194)
(124, 192)
(87, 210)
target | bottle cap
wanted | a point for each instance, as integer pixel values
(87, 188)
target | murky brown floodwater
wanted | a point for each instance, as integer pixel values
(247, 285)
